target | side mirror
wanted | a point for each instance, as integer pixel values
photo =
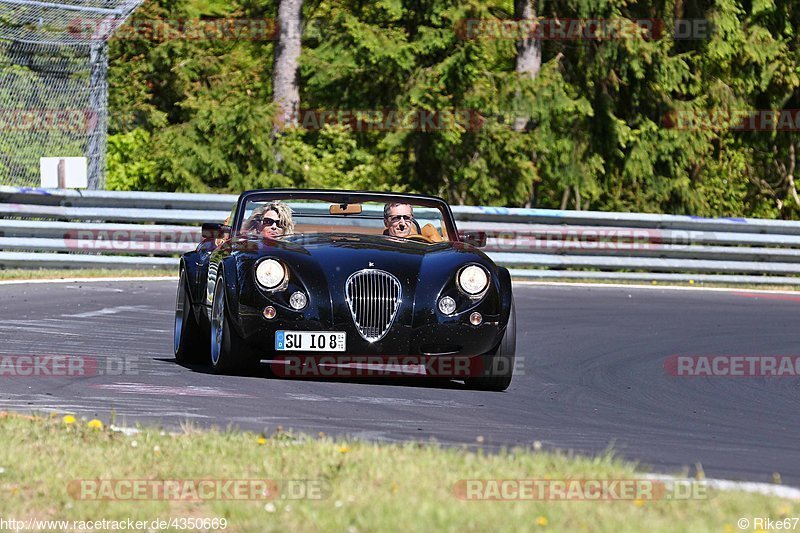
(212, 230)
(475, 238)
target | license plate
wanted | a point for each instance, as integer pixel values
(310, 341)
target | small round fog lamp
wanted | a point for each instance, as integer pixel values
(298, 300)
(447, 305)
(475, 319)
(270, 312)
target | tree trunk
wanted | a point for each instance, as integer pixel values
(790, 186)
(529, 62)
(285, 85)
(565, 199)
(529, 50)
(532, 200)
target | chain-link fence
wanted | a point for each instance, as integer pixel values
(54, 84)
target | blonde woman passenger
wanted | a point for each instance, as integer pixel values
(271, 220)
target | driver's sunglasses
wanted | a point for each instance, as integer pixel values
(265, 222)
(394, 219)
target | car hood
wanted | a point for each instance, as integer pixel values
(339, 255)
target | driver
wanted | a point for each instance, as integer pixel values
(271, 220)
(398, 219)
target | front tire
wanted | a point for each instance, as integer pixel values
(229, 355)
(188, 345)
(497, 367)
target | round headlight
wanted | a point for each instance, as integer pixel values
(473, 280)
(270, 273)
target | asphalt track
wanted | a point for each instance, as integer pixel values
(592, 377)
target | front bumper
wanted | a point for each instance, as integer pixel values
(452, 336)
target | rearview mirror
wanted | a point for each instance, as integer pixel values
(474, 238)
(345, 209)
(212, 230)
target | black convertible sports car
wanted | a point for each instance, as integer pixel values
(330, 275)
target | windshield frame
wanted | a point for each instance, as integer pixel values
(344, 197)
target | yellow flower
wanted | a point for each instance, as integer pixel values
(69, 419)
(638, 503)
(95, 424)
(728, 528)
(261, 441)
(691, 282)
(344, 449)
(542, 521)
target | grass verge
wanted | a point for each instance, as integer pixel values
(24, 274)
(365, 486)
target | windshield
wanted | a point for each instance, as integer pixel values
(280, 218)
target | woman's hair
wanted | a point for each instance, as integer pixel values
(284, 216)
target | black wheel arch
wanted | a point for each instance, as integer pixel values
(506, 294)
(229, 270)
(195, 264)
(190, 272)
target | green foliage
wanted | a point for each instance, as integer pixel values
(130, 166)
(332, 160)
(601, 114)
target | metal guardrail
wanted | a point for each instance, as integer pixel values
(80, 229)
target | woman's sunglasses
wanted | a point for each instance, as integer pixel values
(265, 222)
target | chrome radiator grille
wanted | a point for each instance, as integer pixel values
(373, 297)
